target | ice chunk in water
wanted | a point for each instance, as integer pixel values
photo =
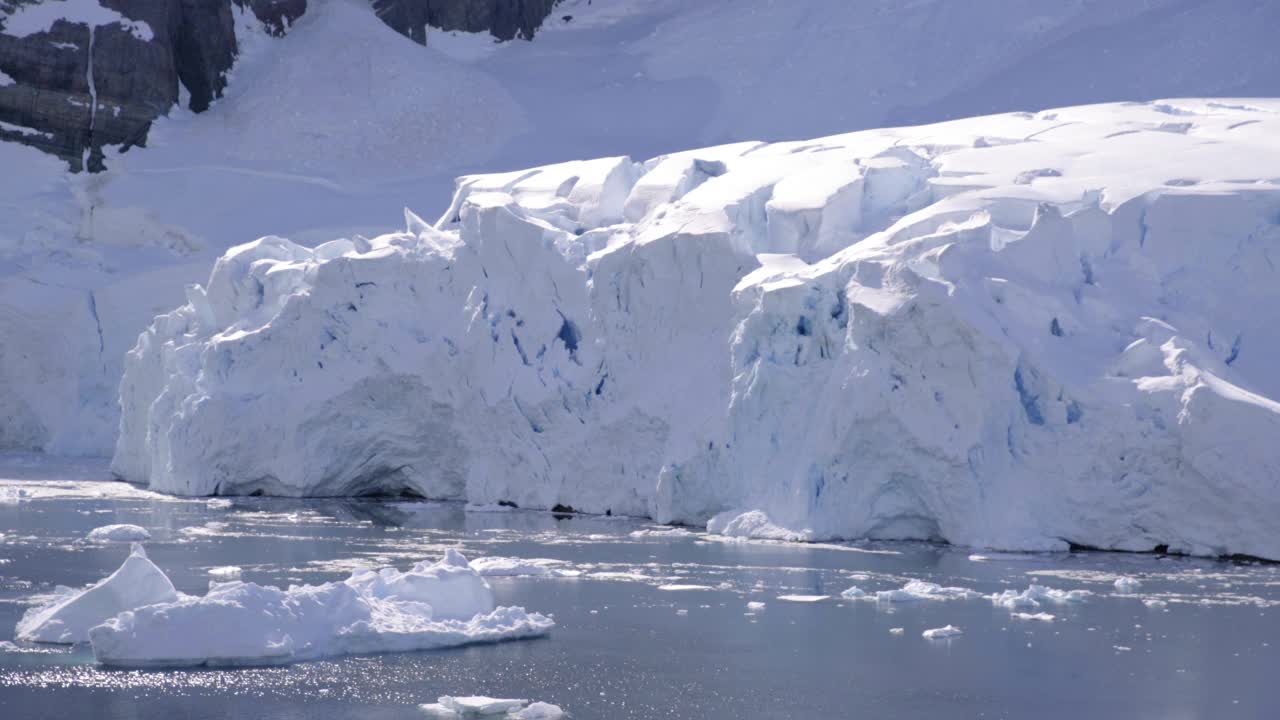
(118, 533)
(433, 605)
(68, 618)
(479, 706)
(942, 632)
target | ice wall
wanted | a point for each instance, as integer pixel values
(1017, 331)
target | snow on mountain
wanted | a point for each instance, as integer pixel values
(31, 19)
(1017, 331)
(332, 129)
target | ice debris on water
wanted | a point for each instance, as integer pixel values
(479, 706)
(942, 632)
(1128, 585)
(135, 617)
(920, 590)
(118, 533)
(1034, 595)
(1043, 616)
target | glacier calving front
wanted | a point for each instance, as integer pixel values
(1017, 331)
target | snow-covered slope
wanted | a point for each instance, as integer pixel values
(1019, 331)
(333, 128)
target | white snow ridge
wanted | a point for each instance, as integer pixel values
(1017, 331)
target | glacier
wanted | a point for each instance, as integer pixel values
(86, 261)
(1025, 331)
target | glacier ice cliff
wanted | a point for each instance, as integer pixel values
(1020, 331)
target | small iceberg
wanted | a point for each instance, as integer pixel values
(1031, 598)
(1042, 617)
(919, 590)
(136, 618)
(433, 605)
(69, 616)
(942, 633)
(225, 573)
(457, 708)
(118, 533)
(1128, 585)
(516, 567)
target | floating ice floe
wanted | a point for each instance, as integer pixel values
(919, 590)
(10, 495)
(225, 573)
(1128, 585)
(752, 524)
(1043, 616)
(755, 605)
(218, 504)
(479, 706)
(118, 533)
(897, 631)
(853, 593)
(494, 566)
(942, 632)
(70, 615)
(1031, 598)
(619, 576)
(662, 533)
(7, 646)
(433, 605)
(803, 598)
(136, 618)
(679, 587)
(1155, 603)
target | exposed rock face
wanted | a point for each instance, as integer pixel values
(505, 19)
(277, 15)
(72, 87)
(59, 72)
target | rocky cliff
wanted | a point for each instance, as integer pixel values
(505, 19)
(77, 75)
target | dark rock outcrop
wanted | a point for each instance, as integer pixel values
(277, 15)
(505, 19)
(59, 72)
(76, 89)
